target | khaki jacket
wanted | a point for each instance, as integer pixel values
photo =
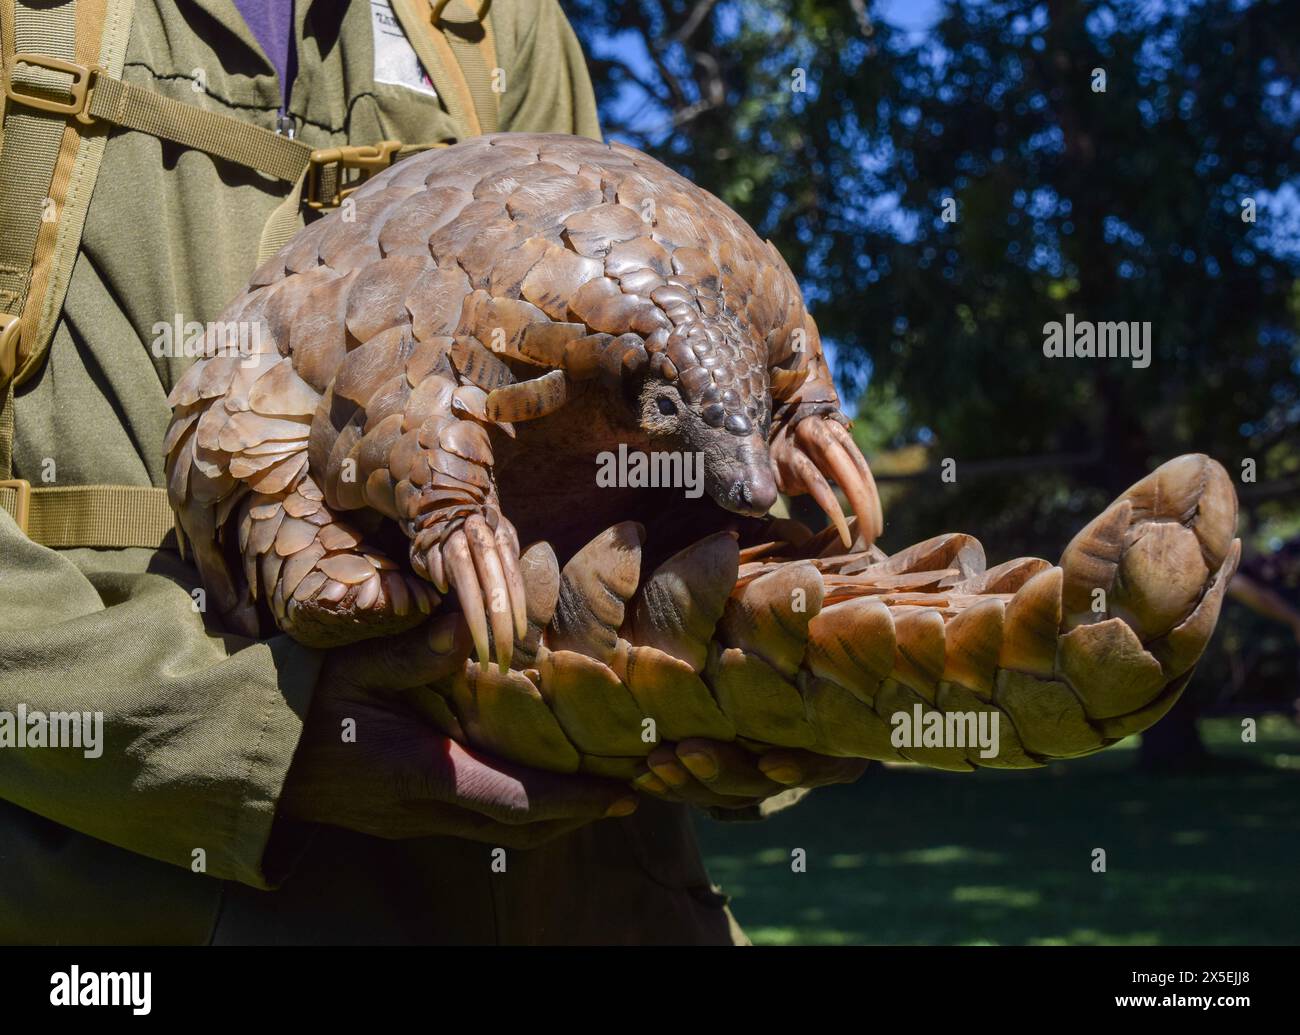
(200, 726)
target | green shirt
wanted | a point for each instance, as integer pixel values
(170, 834)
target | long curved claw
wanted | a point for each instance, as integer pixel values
(437, 571)
(866, 503)
(493, 585)
(508, 549)
(459, 561)
(834, 452)
(803, 473)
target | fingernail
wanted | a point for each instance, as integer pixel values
(781, 772)
(670, 773)
(442, 638)
(701, 764)
(650, 782)
(620, 808)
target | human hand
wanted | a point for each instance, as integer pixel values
(713, 774)
(399, 777)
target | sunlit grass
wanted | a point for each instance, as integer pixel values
(913, 856)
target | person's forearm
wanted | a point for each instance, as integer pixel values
(185, 735)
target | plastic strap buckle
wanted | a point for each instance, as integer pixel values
(23, 505)
(78, 90)
(325, 187)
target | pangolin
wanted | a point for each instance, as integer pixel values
(452, 351)
(428, 376)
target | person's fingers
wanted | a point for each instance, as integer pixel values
(426, 654)
(725, 769)
(793, 767)
(667, 778)
(512, 794)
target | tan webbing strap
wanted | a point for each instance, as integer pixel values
(105, 516)
(285, 221)
(92, 95)
(47, 168)
(473, 47)
(27, 161)
(103, 27)
(7, 432)
(469, 105)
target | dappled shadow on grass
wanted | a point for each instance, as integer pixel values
(914, 856)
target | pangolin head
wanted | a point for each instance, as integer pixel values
(707, 392)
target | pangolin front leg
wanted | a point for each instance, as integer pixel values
(810, 440)
(322, 582)
(447, 499)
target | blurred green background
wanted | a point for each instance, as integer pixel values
(912, 856)
(1128, 161)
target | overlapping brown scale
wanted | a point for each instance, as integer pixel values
(283, 302)
(509, 269)
(435, 300)
(594, 587)
(510, 174)
(318, 339)
(478, 257)
(281, 392)
(303, 252)
(556, 278)
(478, 366)
(769, 616)
(853, 645)
(377, 298)
(545, 201)
(1031, 625)
(528, 400)
(594, 231)
(637, 255)
(247, 373)
(348, 244)
(602, 305)
(504, 323)
(679, 222)
(206, 379)
(407, 227)
(681, 603)
(369, 367)
(446, 243)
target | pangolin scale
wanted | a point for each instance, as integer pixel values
(431, 374)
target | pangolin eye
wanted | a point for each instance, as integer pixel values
(666, 406)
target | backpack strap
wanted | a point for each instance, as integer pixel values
(459, 56)
(48, 166)
(62, 61)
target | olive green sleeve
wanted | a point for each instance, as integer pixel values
(548, 88)
(198, 728)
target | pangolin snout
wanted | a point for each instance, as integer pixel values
(753, 496)
(742, 481)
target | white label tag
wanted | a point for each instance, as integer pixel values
(395, 59)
